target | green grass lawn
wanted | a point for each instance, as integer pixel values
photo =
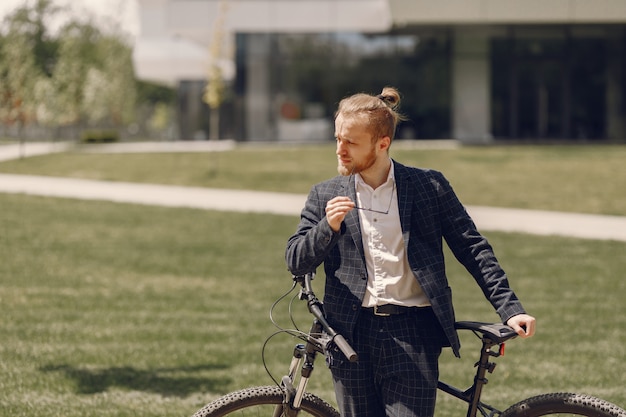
(124, 310)
(587, 179)
(127, 310)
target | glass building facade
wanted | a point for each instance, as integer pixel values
(494, 83)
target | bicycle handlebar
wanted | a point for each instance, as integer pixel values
(315, 308)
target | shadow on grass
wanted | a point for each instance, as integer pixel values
(165, 381)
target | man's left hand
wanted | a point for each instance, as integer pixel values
(523, 324)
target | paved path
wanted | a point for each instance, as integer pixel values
(152, 194)
(17, 151)
(487, 218)
(28, 149)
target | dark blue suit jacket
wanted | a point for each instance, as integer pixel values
(429, 211)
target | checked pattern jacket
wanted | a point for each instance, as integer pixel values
(429, 213)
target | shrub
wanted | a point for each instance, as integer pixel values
(99, 136)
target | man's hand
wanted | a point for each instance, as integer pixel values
(523, 324)
(336, 210)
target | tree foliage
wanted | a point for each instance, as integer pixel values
(18, 72)
(78, 76)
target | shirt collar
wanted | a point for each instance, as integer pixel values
(358, 180)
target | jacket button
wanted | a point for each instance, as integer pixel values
(355, 307)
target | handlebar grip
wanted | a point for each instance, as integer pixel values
(345, 348)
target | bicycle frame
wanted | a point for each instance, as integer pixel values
(289, 396)
(303, 358)
(321, 334)
(473, 393)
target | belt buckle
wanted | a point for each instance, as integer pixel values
(376, 313)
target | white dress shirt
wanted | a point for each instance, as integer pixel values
(390, 280)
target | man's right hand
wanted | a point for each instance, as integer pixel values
(336, 210)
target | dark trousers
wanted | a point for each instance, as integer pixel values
(397, 371)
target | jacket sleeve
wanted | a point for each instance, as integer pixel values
(313, 239)
(475, 253)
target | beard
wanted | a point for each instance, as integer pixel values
(357, 167)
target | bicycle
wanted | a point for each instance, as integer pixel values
(289, 397)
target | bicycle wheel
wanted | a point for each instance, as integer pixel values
(262, 401)
(563, 404)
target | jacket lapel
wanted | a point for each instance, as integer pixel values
(405, 199)
(353, 224)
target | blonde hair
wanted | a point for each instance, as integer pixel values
(379, 112)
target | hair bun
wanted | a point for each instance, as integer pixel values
(390, 96)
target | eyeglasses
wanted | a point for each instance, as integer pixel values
(378, 211)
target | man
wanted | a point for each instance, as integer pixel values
(378, 230)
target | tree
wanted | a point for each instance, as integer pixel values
(109, 92)
(24, 57)
(76, 56)
(214, 90)
(117, 66)
(18, 75)
(80, 76)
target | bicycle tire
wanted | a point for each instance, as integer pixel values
(262, 401)
(564, 404)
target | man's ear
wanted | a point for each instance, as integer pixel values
(384, 143)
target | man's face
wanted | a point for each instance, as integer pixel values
(356, 151)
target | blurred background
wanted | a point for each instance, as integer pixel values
(136, 310)
(478, 71)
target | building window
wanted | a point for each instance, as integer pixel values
(549, 83)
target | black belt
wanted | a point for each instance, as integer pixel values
(392, 310)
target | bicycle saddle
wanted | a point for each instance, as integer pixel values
(496, 332)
